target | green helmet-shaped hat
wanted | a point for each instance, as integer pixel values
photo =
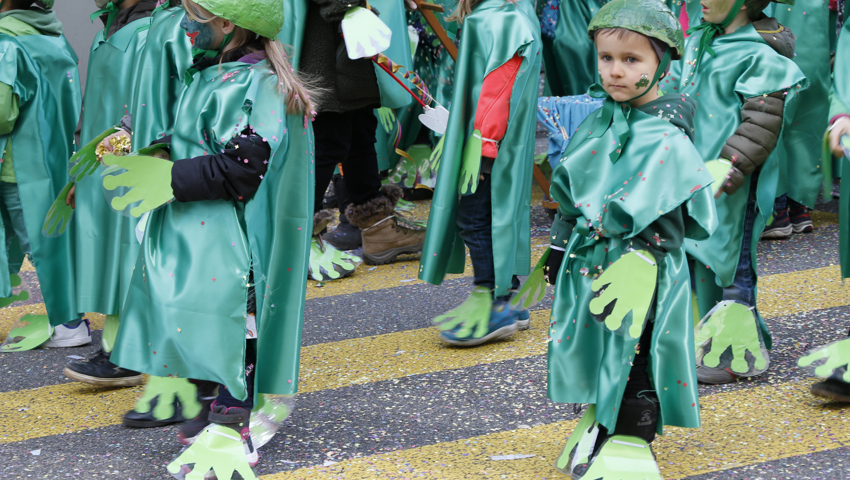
(648, 17)
(263, 17)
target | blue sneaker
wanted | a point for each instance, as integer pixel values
(502, 323)
(523, 320)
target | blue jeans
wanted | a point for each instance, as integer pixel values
(743, 288)
(475, 227)
(13, 216)
(782, 202)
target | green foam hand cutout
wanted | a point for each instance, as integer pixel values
(59, 215)
(837, 356)
(437, 155)
(387, 118)
(15, 281)
(166, 390)
(328, 263)
(219, 449)
(473, 314)
(584, 427)
(149, 180)
(719, 170)
(627, 286)
(624, 458)
(471, 163)
(730, 325)
(85, 161)
(30, 332)
(364, 33)
(533, 291)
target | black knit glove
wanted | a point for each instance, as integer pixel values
(553, 265)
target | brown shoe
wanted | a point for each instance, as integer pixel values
(384, 238)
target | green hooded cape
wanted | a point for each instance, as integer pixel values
(658, 172)
(42, 71)
(106, 245)
(802, 138)
(166, 57)
(745, 66)
(492, 35)
(185, 309)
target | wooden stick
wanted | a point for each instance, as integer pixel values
(427, 12)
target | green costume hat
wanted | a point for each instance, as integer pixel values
(263, 17)
(648, 17)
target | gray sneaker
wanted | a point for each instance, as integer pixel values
(715, 376)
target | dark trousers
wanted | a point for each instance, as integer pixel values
(348, 139)
(225, 399)
(475, 227)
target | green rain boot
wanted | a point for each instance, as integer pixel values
(165, 401)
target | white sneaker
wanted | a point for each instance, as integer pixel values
(65, 336)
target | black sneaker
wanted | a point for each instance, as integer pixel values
(190, 430)
(833, 389)
(98, 370)
(780, 228)
(134, 419)
(801, 222)
(239, 420)
(346, 236)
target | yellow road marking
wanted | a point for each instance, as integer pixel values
(740, 428)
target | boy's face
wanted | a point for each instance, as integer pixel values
(204, 36)
(626, 65)
(715, 11)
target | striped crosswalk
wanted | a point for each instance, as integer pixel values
(747, 424)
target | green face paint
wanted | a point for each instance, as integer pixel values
(644, 81)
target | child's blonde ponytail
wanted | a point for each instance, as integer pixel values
(298, 100)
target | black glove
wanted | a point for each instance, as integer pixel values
(553, 265)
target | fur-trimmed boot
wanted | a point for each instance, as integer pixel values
(384, 238)
(326, 262)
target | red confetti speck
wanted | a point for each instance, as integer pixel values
(678, 381)
(202, 223)
(684, 384)
(213, 279)
(593, 152)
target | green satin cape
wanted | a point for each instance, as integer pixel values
(166, 57)
(570, 57)
(803, 136)
(492, 34)
(185, 310)
(746, 65)
(42, 71)
(106, 247)
(658, 171)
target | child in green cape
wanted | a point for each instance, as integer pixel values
(738, 66)
(218, 290)
(630, 188)
(106, 245)
(483, 192)
(39, 107)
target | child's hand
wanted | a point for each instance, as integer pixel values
(71, 197)
(839, 128)
(107, 145)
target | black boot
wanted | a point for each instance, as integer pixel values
(135, 419)
(833, 389)
(98, 370)
(346, 236)
(190, 430)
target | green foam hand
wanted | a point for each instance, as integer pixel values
(329, 263)
(166, 390)
(15, 281)
(437, 156)
(219, 449)
(626, 286)
(730, 325)
(473, 314)
(533, 291)
(364, 33)
(719, 170)
(268, 415)
(387, 118)
(471, 164)
(84, 162)
(59, 215)
(837, 355)
(149, 180)
(30, 332)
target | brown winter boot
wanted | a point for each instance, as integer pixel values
(384, 238)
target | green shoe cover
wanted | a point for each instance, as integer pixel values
(731, 326)
(624, 458)
(30, 332)
(533, 291)
(584, 436)
(218, 448)
(473, 315)
(836, 360)
(169, 389)
(328, 263)
(268, 415)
